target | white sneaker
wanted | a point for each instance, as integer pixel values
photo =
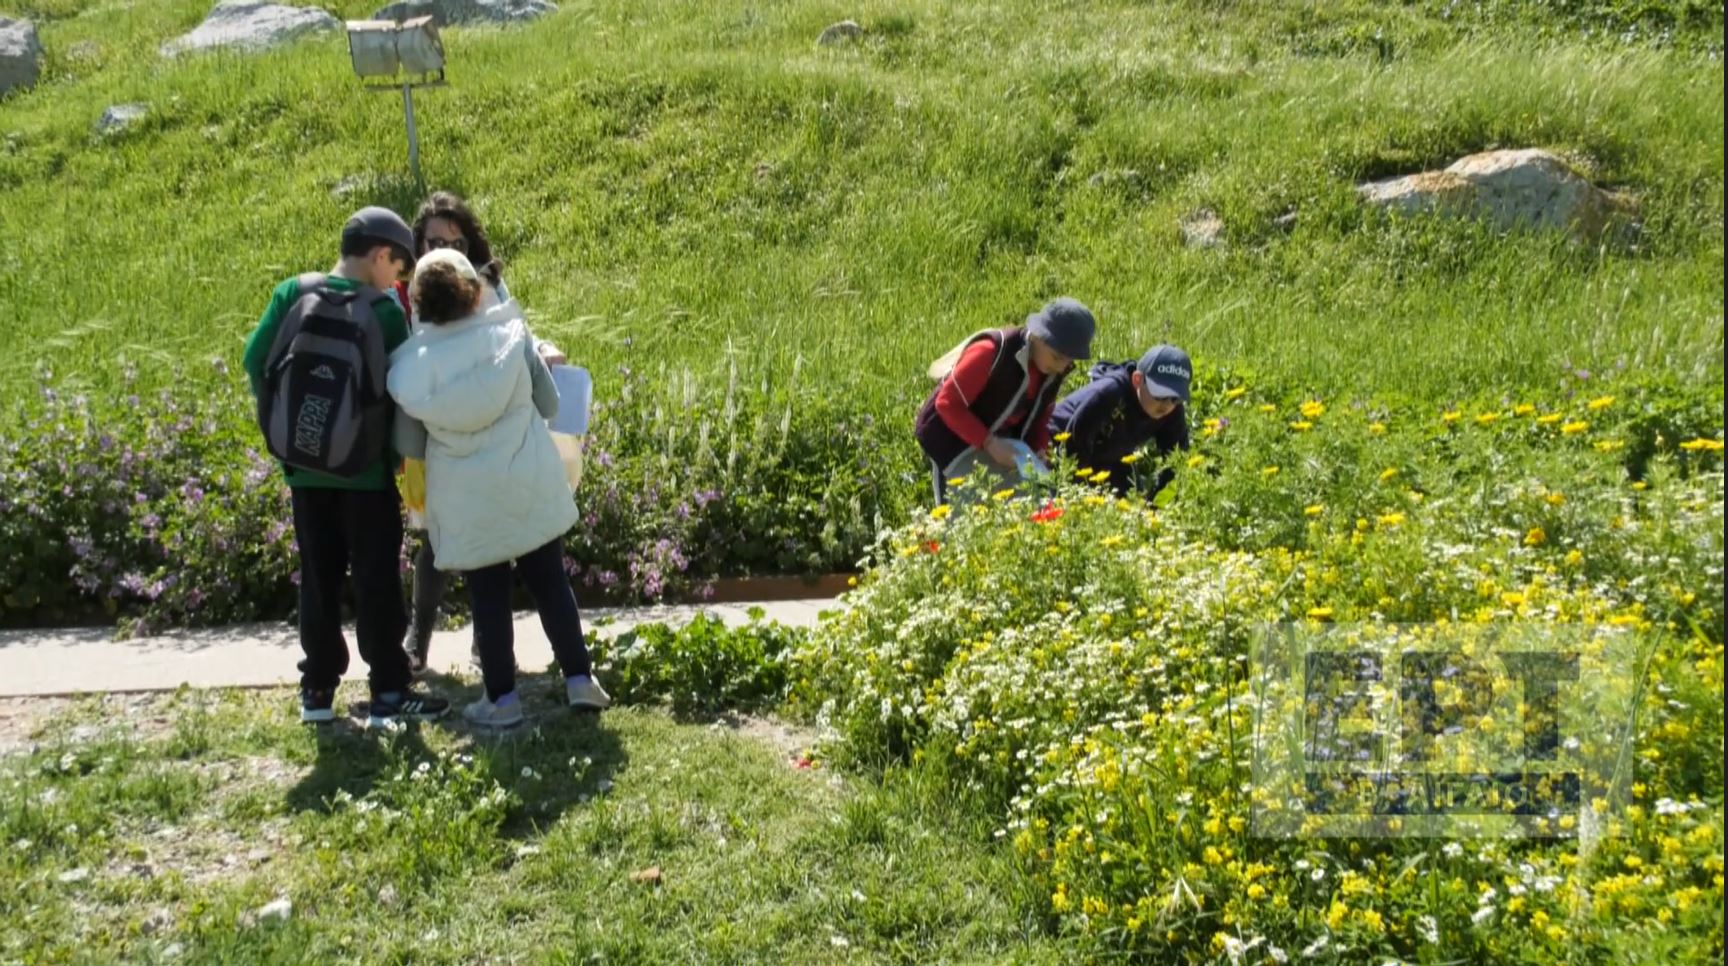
(586, 694)
(488, 715)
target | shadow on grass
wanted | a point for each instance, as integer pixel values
(555, 760)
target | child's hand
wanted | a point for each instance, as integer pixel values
(999, 452)
(550, 355)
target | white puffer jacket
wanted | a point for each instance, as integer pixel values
(475, 395)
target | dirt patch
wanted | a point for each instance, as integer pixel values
(21, 718)
(795, 744)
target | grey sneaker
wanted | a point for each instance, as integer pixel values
(488, 715)
(586, 694)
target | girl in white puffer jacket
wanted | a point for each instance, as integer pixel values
(473, 397)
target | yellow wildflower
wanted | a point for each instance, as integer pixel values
(1702, 445)
(1062, 437)
(1196, 461)
(1377, 428)
(1523, 409)
(1555, 499)
(1451, 416)
(1486, 419)
(1610, 445)
(1268, 408)
(1600, 403)
(1320, 613)
(1269, 471)
(1390, 519)
(1549, 419)
(1313, 409)
(1575, 427)
(1102, 476)
(941, 512)
(1302, 425)
(1237, 393)
(1536, 537)
(1001, 495)
(1386, 475)
(1131, 458)
(1315, 510)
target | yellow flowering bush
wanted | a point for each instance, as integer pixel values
(1077, 665)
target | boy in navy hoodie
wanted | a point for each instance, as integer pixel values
(1124, 407)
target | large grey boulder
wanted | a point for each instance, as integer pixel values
(1528, 188)
(252, 26)
(452, 12)
(20, 54)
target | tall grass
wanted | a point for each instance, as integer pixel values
(697, 184)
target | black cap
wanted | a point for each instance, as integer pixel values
(382, 224)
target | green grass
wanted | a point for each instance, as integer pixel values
(696, 185)
(193, 811)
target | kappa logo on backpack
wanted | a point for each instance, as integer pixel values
(325, 407)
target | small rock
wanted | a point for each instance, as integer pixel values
(1202, 229)
(74, 875)
(258, 856)
(524, 851)
(648, 876)
(348, 186)
(172, 951)
(764, 169)
(277, 911)
(251, 26)
(839, 33)
(448, 13)
(20, 54)
(387, 895)
(120, 118)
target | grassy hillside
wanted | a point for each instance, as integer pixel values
(698, 184)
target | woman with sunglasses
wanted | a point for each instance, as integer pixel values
(446, 221)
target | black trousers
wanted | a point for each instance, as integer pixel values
(358, 532)
(429, 586)
(542, 571)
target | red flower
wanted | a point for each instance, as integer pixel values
(1048, 513)
(933, 546)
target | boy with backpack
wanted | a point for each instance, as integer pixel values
(317, 363)
(1125, 406)
(996, 390)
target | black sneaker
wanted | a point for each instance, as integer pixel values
(317, 705)
(409, 705)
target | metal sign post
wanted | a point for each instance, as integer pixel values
(408, 54)
(413, 135)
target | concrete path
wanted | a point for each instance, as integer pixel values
(76, 661)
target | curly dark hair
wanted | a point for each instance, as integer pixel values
(442, 294)
(444, 204)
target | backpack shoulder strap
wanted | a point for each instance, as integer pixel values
(306, 283)
(940, 368)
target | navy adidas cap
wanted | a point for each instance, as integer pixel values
(1166, 371)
